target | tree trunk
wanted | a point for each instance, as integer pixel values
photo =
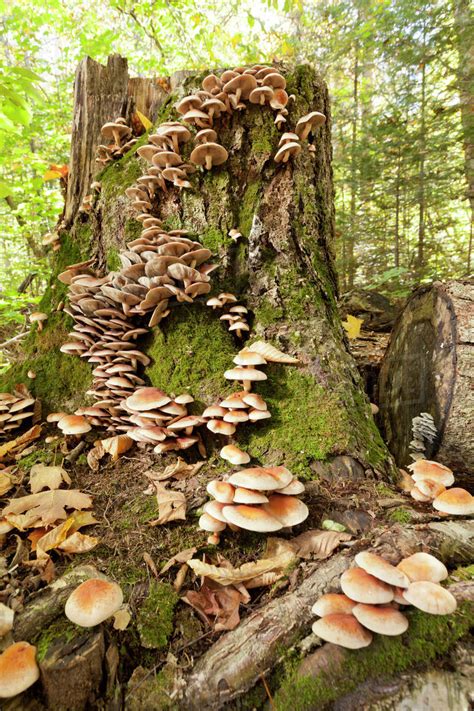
(428, 367)
(420, 259)
(281, 269)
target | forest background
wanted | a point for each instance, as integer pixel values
(400, 74)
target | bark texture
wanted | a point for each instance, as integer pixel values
(429, 367)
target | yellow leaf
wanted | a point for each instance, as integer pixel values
(352, 326)
(51, 175)
(247, 571)
(42, 477)
(7, 480)
(78, 543)
(147, 124)
(44, 508)
(21, 441)
(171, 505)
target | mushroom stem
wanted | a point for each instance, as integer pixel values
(175, 143)
(116, 136)
(238, 94)
(40, 326)
(306, 132)
(208, 161)
(247, 385)
(213, 539)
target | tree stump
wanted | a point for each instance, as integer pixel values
(429, 367)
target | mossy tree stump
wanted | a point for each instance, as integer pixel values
(282, 269)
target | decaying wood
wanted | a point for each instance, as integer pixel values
(101, 93)
(429, 367)
(235, 663)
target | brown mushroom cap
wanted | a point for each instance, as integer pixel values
(333, 604)
(209, 523)
(430, 488)
(343, 630)
(215, 509)
(382, 569)
(262, 478)
(246, 375)
(221, 427)
(381, 619)
(147, 399)
(248, 357)
(209, 154)
(294, 488)
(286, 509)
(430, 597)
(308, 122)
(249, 496)
(427, 469)
(74, 425)
(423, 566)
(457, 502)
(254, 400)
(286, 150)
(92, 602)
(251, 518)
(234, 455)
(18, 669)
(363, 587)
(222, 491)
(38, 316)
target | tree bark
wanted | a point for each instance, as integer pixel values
(428, 367)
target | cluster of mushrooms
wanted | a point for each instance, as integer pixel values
(15, 409)
(91, 603)
(424, 433)
(234, 314)
(430, 484)
(53, 240)
(372, 593)
(119, 139)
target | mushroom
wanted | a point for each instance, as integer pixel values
(222, 491)
(248, 357)
(423, 566)
(38, 317)
(307, 123)
(74, 425)
(221, 427)
(246, 375)
(249, 496)
(239, 87)
(430, 597)
(93, 601)
(262, 478)
(115, 130)
(214, 302)
(333, 604)
(343, 630)
(147, 399)
(234, 455)
(363, 587)
(287, 149)
(381, 619)
(251, 518)
(18, 669)
(289, 510)
(381, 569)
(457, 502)
(426, 469)
(209, 154)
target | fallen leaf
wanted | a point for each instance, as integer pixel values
(7, 481)
(6, 619)
(150, 563)
(352, 326)
(44, 508)
(225, 575)
(217, 602)
(171, 505)
(146, 123)
(115, 446)
(177, 470)
(20, 442)
(43, 477)
(318, 544)
(78, 543)
(66, 538)
(121, 619)
(180, 577)
(95, 455)
(405, 481)
(181, 557)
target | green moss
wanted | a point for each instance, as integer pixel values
(155, 616)
(119, 175)
(466, 573)
(384, 490)
(190, 353)
(214, 239)
(139, 511)
(60, 630)
(263, 134)
(133, 230)
(400, 515)
(267, 313)
(113, 261)
(39, 456)
(428, 637)
(152, 691)
(249, 207)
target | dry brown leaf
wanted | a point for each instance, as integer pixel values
(115, 446)
(150, 563)
(180, 577)
(78, 543)
(318, 544)
(95, 455)
(44, 508)
(19, 442)
(7, 480)
(225, 575)
(43, 477)
(405, 481)
(181, 557)
(177, 470)
(218, 606)
(171, 505)
(66, 538)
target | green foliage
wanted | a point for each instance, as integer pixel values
(155, 616)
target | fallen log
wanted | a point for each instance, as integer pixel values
(236, 662)
(429, 367)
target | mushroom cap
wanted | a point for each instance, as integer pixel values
(262, 478)
(221, 427)
(217, 152)
(234, 455)
(147, 399)
(108, 129)
(18, 669)
(248, 357)
(245, 82)
(74, 425)
(430, 488)
(315, 118)
(38, 316)
(333, 604)
(430, 597)
(251, 518)
(363, 587)
(214, 411)
(255, 415)
(254, 400)
(222, 491)
(457, 502)
(215, 509)
(427, 469)
(382, 569)
(294, 488)
(289, 510)
(381, 619)
(343, 630)
(249, 496)
(93, 601)
(271, 354)
(209, 523)
(418, 495)
(241, 373)
(236, 416)
(292, 148)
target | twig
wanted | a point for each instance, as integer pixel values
(15, 338)
(270, 698)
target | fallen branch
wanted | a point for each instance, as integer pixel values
(238, 659)
(12, 340)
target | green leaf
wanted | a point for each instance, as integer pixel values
(5, 190)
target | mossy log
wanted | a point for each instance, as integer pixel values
(282, 269)
(238, 660)
(429, 367)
